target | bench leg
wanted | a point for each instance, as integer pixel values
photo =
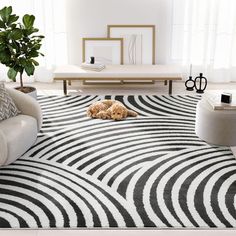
(65, 87)
(170, 87)
(69, 82)
(165, 82)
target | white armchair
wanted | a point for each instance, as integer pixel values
(19, 133)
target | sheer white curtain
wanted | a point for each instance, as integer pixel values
(204, 34)
(51, 21)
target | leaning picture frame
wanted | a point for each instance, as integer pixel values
(105, 50)
(139, 42)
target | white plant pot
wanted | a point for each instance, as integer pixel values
(32, 94)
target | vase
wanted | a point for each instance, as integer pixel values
(200, 83)
(189, 84)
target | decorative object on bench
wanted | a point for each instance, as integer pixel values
(19, 133)
(139, 42)
(226, 97)
(107, 51)
(109, 109)
(120, 72)
(19, 46)
(198, 83)
(8, 108)
(190, 84)
(92, 60)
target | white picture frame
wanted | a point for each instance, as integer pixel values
(139, 42)
(105, 50)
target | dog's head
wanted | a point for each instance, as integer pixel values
(118, 112)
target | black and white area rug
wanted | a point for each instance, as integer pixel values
(150, 171)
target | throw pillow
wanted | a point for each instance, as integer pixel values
(7, 106)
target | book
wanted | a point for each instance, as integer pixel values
(215, 101)
(95, 67)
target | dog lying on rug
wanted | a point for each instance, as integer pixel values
(109, 109)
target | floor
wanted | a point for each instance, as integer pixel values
(76, 89)
(118, 232)
(157, 88)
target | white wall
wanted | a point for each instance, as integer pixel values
(89, 18)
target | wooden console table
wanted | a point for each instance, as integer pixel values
(121, 73)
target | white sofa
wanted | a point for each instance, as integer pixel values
(18, 134)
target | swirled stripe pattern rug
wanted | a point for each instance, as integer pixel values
(149, 171)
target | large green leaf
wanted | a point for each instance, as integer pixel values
(12, 74)
(37, 46)
(2, 25)
(16, 34)
(12, 19)
(18, 68)
(13, 26)
(28, 21)
(11, 49)
(34, 62)
(2, 37)
(5, 13)
(30, 31)
(29, 68)
(16, 46)
(5, 56)
(22, 62)
(39, 37)
(33, 53)
(2, 47)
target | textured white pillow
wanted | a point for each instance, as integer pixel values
(7, 106)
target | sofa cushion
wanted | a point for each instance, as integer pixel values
(20, 134)
(7, 106)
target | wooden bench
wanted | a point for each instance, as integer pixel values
(122, 73)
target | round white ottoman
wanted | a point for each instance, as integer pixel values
(215, 126)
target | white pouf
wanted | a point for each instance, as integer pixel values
(215, 126)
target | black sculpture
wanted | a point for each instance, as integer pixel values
(189, 84)
(92, 60)
(198, 83)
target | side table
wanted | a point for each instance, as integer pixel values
(215, 126)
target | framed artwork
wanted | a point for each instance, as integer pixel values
(139, 42)
(105, 50)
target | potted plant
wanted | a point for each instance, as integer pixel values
(19, 46)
